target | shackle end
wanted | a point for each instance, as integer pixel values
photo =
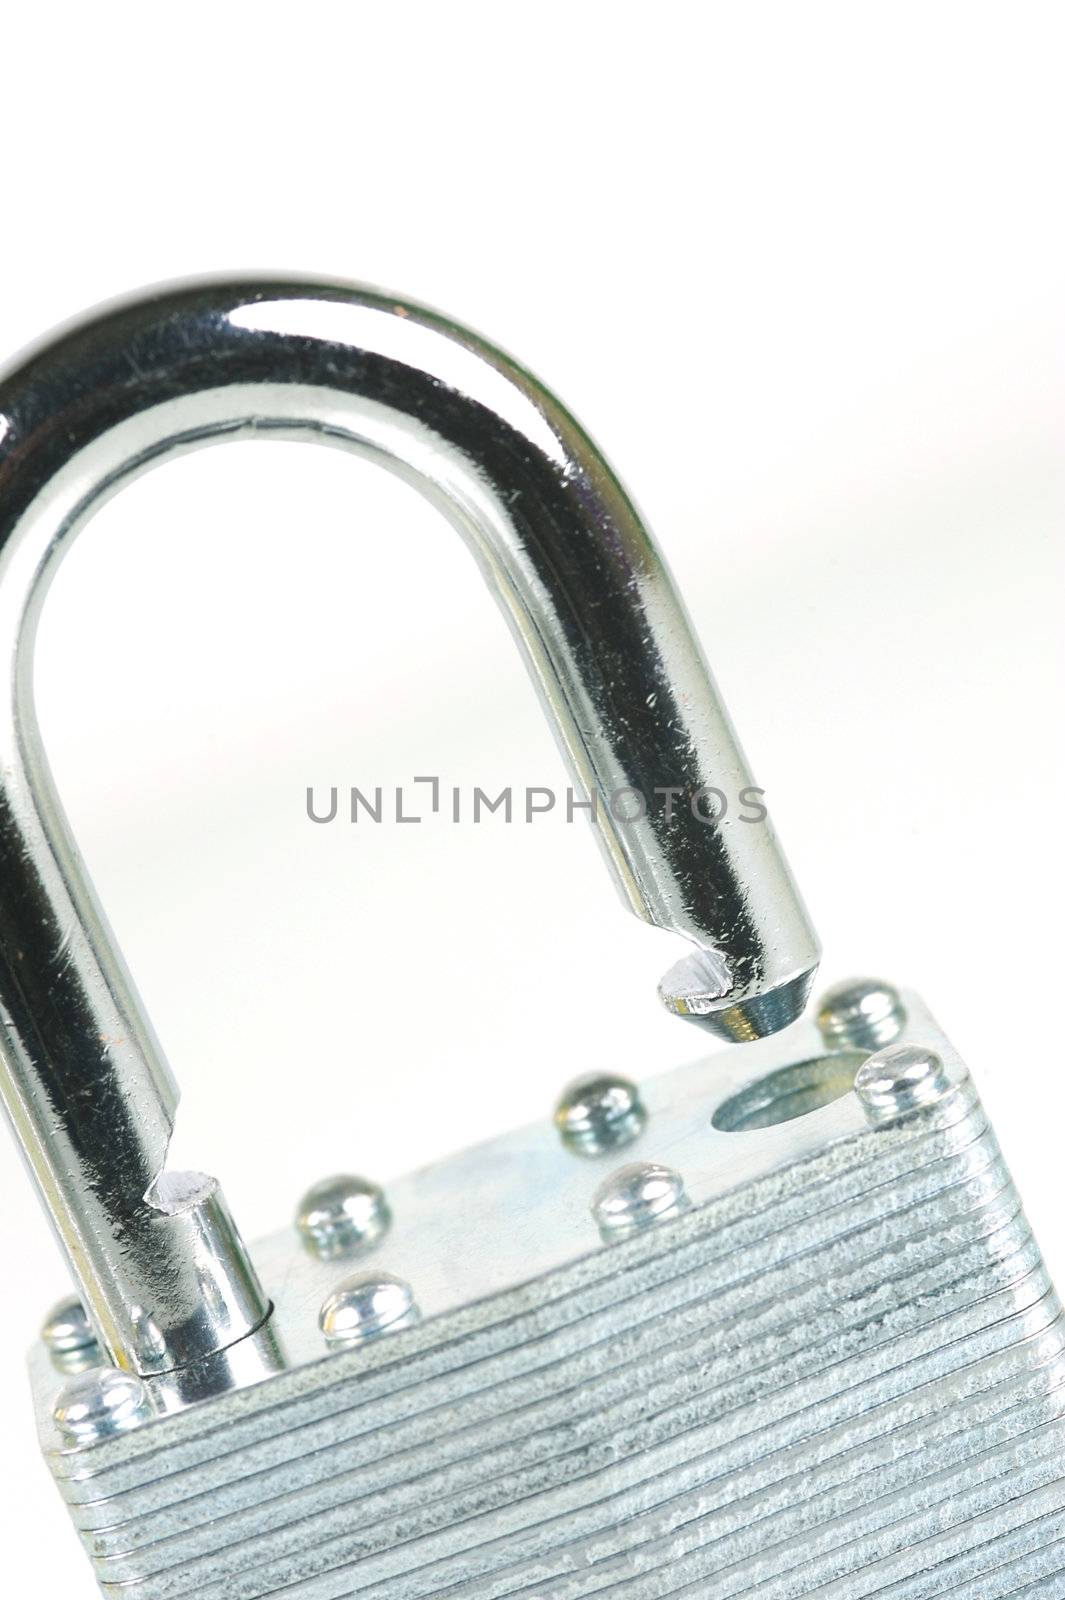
(691, 988)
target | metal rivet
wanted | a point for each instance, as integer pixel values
(99, 1404)
(861, 1011)
(600, 1112)
(342, 1215)
(901, 1079)
(68, 1336)
(637, 1195)
(366, 1305)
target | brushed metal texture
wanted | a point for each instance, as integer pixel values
(839, 1372)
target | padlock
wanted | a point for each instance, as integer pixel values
(771, 1325)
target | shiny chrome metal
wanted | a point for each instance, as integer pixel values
(67, 1330)
(636, 1196)
(341, 1215)
(600, 1112)
(161, 1270)
(861, 1011)
(366, 1305)
(100, 1403)
(68, 1336)
(900, 1079)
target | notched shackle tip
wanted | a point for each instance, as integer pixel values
(695, 989)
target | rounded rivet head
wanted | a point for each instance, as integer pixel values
(637, 1195)
(901, 1079)
(365, 1305)
(342, 1215)
(600, 1112)
(67, 1332)
(864, 1012)
(98, 1404)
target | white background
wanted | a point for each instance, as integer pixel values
(798, 269)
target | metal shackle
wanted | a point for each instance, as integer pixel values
(162, 1270)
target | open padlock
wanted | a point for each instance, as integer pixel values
(773, 1328)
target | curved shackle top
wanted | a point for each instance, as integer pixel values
(566, 554)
